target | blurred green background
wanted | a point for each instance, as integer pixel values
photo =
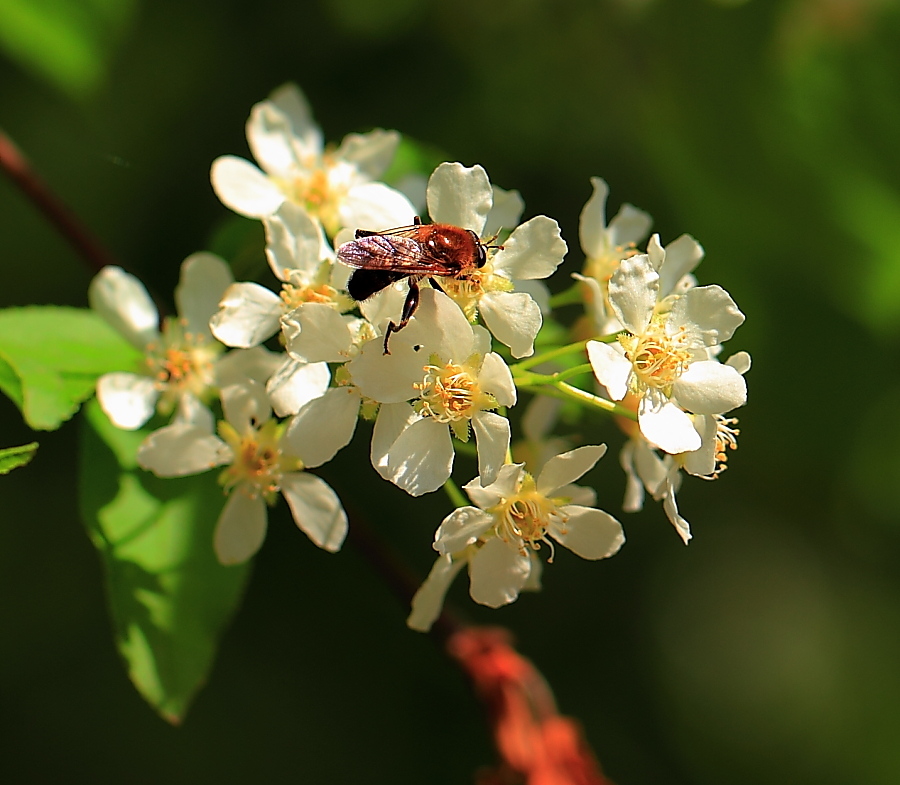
(767, 651)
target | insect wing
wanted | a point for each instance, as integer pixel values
(391, 252)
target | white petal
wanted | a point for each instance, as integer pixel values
(496, 379)
(273, 142)
(461, 528)
(316, 332)
(316, 509)
(295, 384)
(492, 436)
(375, 206)
(290, 101)
(384, 305)
(129, 400)
(192, 412)
(534, 250)
(429, 599)
(675, 518)
(241, 528)
(568, 467)
(388, 378)
(629, 226)
(293, 242)
(650, 468)
(668, 427)
(204, 279)
(323, 426)
(611, 368)
(460, 196)
(740, 361)
(123, 302)
(497, 573)
(505, 211)
(181, 449)
(702, 462)
(245, 405)
(256, 364)
(634, 489)
(392, 420)
(592, 225)
(709, 312)
(370, 153)
(709, 387)
(514, 318)
(244, 188)
(421, 459)
(248, 315)
(540, 417)
(577, 494)
(633, 292)
(441, 327)
(682, 256)
(590, 533)
(507, 484)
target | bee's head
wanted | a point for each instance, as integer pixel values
(480, 250)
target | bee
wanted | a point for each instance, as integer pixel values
(414, 252)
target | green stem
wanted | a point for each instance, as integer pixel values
(552, 354)
(567, 392)
(571, 296)
(455, 494)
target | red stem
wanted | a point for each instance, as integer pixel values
(20, 171)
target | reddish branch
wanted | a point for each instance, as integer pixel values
(17, 166)
(537, 745)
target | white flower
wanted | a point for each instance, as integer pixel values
(499, 538)
(661, 476)
(604, 248)
(259, 460)
(302, 260)
(334, 186)
(180, 359)
(504, 289)
(445, 366)
(664, 359)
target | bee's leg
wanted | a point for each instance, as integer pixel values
(409, 308)
(435, 285)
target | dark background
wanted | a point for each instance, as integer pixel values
(767, 651)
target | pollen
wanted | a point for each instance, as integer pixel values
(526, 516)
(181, 362)
(449, 393)
(658, 359)
(726, 439)
(294, 295)
(467, 290)
(258, 463)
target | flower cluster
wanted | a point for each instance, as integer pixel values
(427, 326)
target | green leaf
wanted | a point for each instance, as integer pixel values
(51, 357)
(170, 598)
(14, 457)
(67, 43)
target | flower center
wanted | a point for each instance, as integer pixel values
(526, 516)
(296, 294)
(181, 363)
(448, 393)
(658, 359)
(468, 290)
(258, 460)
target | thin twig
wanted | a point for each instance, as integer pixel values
(20, 171)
